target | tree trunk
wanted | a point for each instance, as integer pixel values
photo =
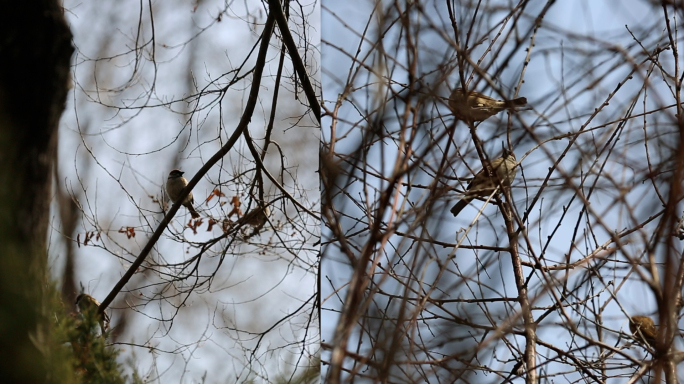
(35, 47)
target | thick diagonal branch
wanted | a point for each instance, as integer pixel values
(277, 12)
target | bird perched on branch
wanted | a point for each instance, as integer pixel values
(484, 183)
(174, 185)
(643, 329)
(257, 216)
(87, 305)
(478, 107)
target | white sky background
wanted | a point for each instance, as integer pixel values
(135, 148)
(551, 67)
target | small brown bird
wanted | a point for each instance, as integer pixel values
(257, 216)
(88, 305)
(174, 185)
(478, 107)
(644, 329)
(483, 185)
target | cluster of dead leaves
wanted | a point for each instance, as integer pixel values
(129, 231)
(88, 237)
(226, 223)
(193, 224)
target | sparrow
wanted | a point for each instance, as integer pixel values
(478, 107)
(643, 329)
(174, 185)
(87, 304)
(257, 216)
(483, 184)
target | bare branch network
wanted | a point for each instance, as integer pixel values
(502, 186)
(227, 93)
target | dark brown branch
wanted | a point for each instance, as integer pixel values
(277, 12)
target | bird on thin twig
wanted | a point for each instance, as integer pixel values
(644, 329)
(478, 107)
(257, 216)
(483, 184)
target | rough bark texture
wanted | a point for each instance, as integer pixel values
(35, 47)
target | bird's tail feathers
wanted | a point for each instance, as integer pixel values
(193, 212)
(519, 102)
(456, 209)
